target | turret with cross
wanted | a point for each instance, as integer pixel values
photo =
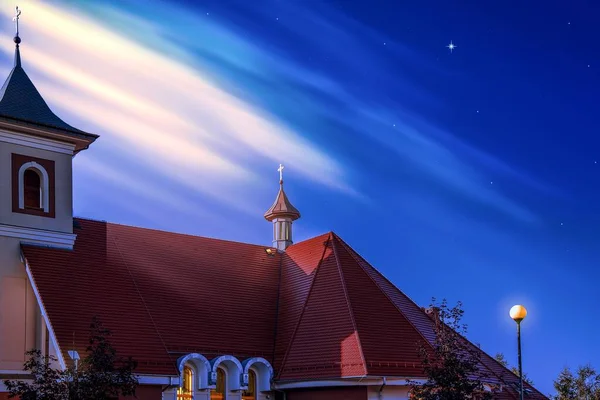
(282, 214)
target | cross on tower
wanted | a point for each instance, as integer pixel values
(280, 169)
(16, 19)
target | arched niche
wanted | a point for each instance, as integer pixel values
(264, 373)
(233, 369)
(201, 367)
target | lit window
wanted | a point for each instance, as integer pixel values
(32, 189)
(218, 393)
(250, 393)
(186, 391)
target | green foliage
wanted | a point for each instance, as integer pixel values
(47, 383)
(452, 363)
(101, 375)
(584, 385)
(500, 358)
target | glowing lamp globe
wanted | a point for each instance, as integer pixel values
(518, 313)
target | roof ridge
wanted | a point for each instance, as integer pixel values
(312, 285)
(173, 233)
(310, 238)
(135, 284)
(354, 255)
(350, 309)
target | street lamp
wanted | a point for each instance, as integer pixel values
(518, 314)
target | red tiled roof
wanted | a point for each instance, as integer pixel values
(348, 326)
(162, 294)
(317, 311)
(298, 270)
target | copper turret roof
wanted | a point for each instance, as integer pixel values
(282, 208)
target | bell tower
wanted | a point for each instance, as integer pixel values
(282, 214)
(36, 151)
(36, 207)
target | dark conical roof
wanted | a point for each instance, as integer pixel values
(20, 100)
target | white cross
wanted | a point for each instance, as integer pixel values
(280, 169)
(16, 19)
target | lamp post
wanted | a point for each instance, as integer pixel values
(518, 314)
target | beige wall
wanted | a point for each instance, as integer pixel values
(19, 315)
(63, 221)
(21, 323)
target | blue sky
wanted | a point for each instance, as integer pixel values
(471, 175)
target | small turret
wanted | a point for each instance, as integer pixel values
(282, 213)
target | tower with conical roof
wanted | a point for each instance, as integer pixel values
(36, 151)
(282, 214)
(36, 203)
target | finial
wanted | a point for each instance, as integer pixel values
(280, 169)
(17, 39)
(16, 20)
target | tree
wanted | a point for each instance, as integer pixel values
(500, 358)
(101, 375)
(47, 382)
(585, 385)
(451, 364)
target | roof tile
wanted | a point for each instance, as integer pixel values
(318, 310)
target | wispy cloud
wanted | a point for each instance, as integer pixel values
(159, 110)
(372, 96)
(218, 105)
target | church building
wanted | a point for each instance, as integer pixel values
(205, 319)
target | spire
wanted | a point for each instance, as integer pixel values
(17, 39)
(21, 101)
(282, 213)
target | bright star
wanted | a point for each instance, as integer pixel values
(451, 46)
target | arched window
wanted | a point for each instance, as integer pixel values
(186, 390)
(32, 190)
(218, 393)
(250, 393)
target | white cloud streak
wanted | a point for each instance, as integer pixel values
(164, 112)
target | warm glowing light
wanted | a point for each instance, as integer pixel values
(518, 313)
